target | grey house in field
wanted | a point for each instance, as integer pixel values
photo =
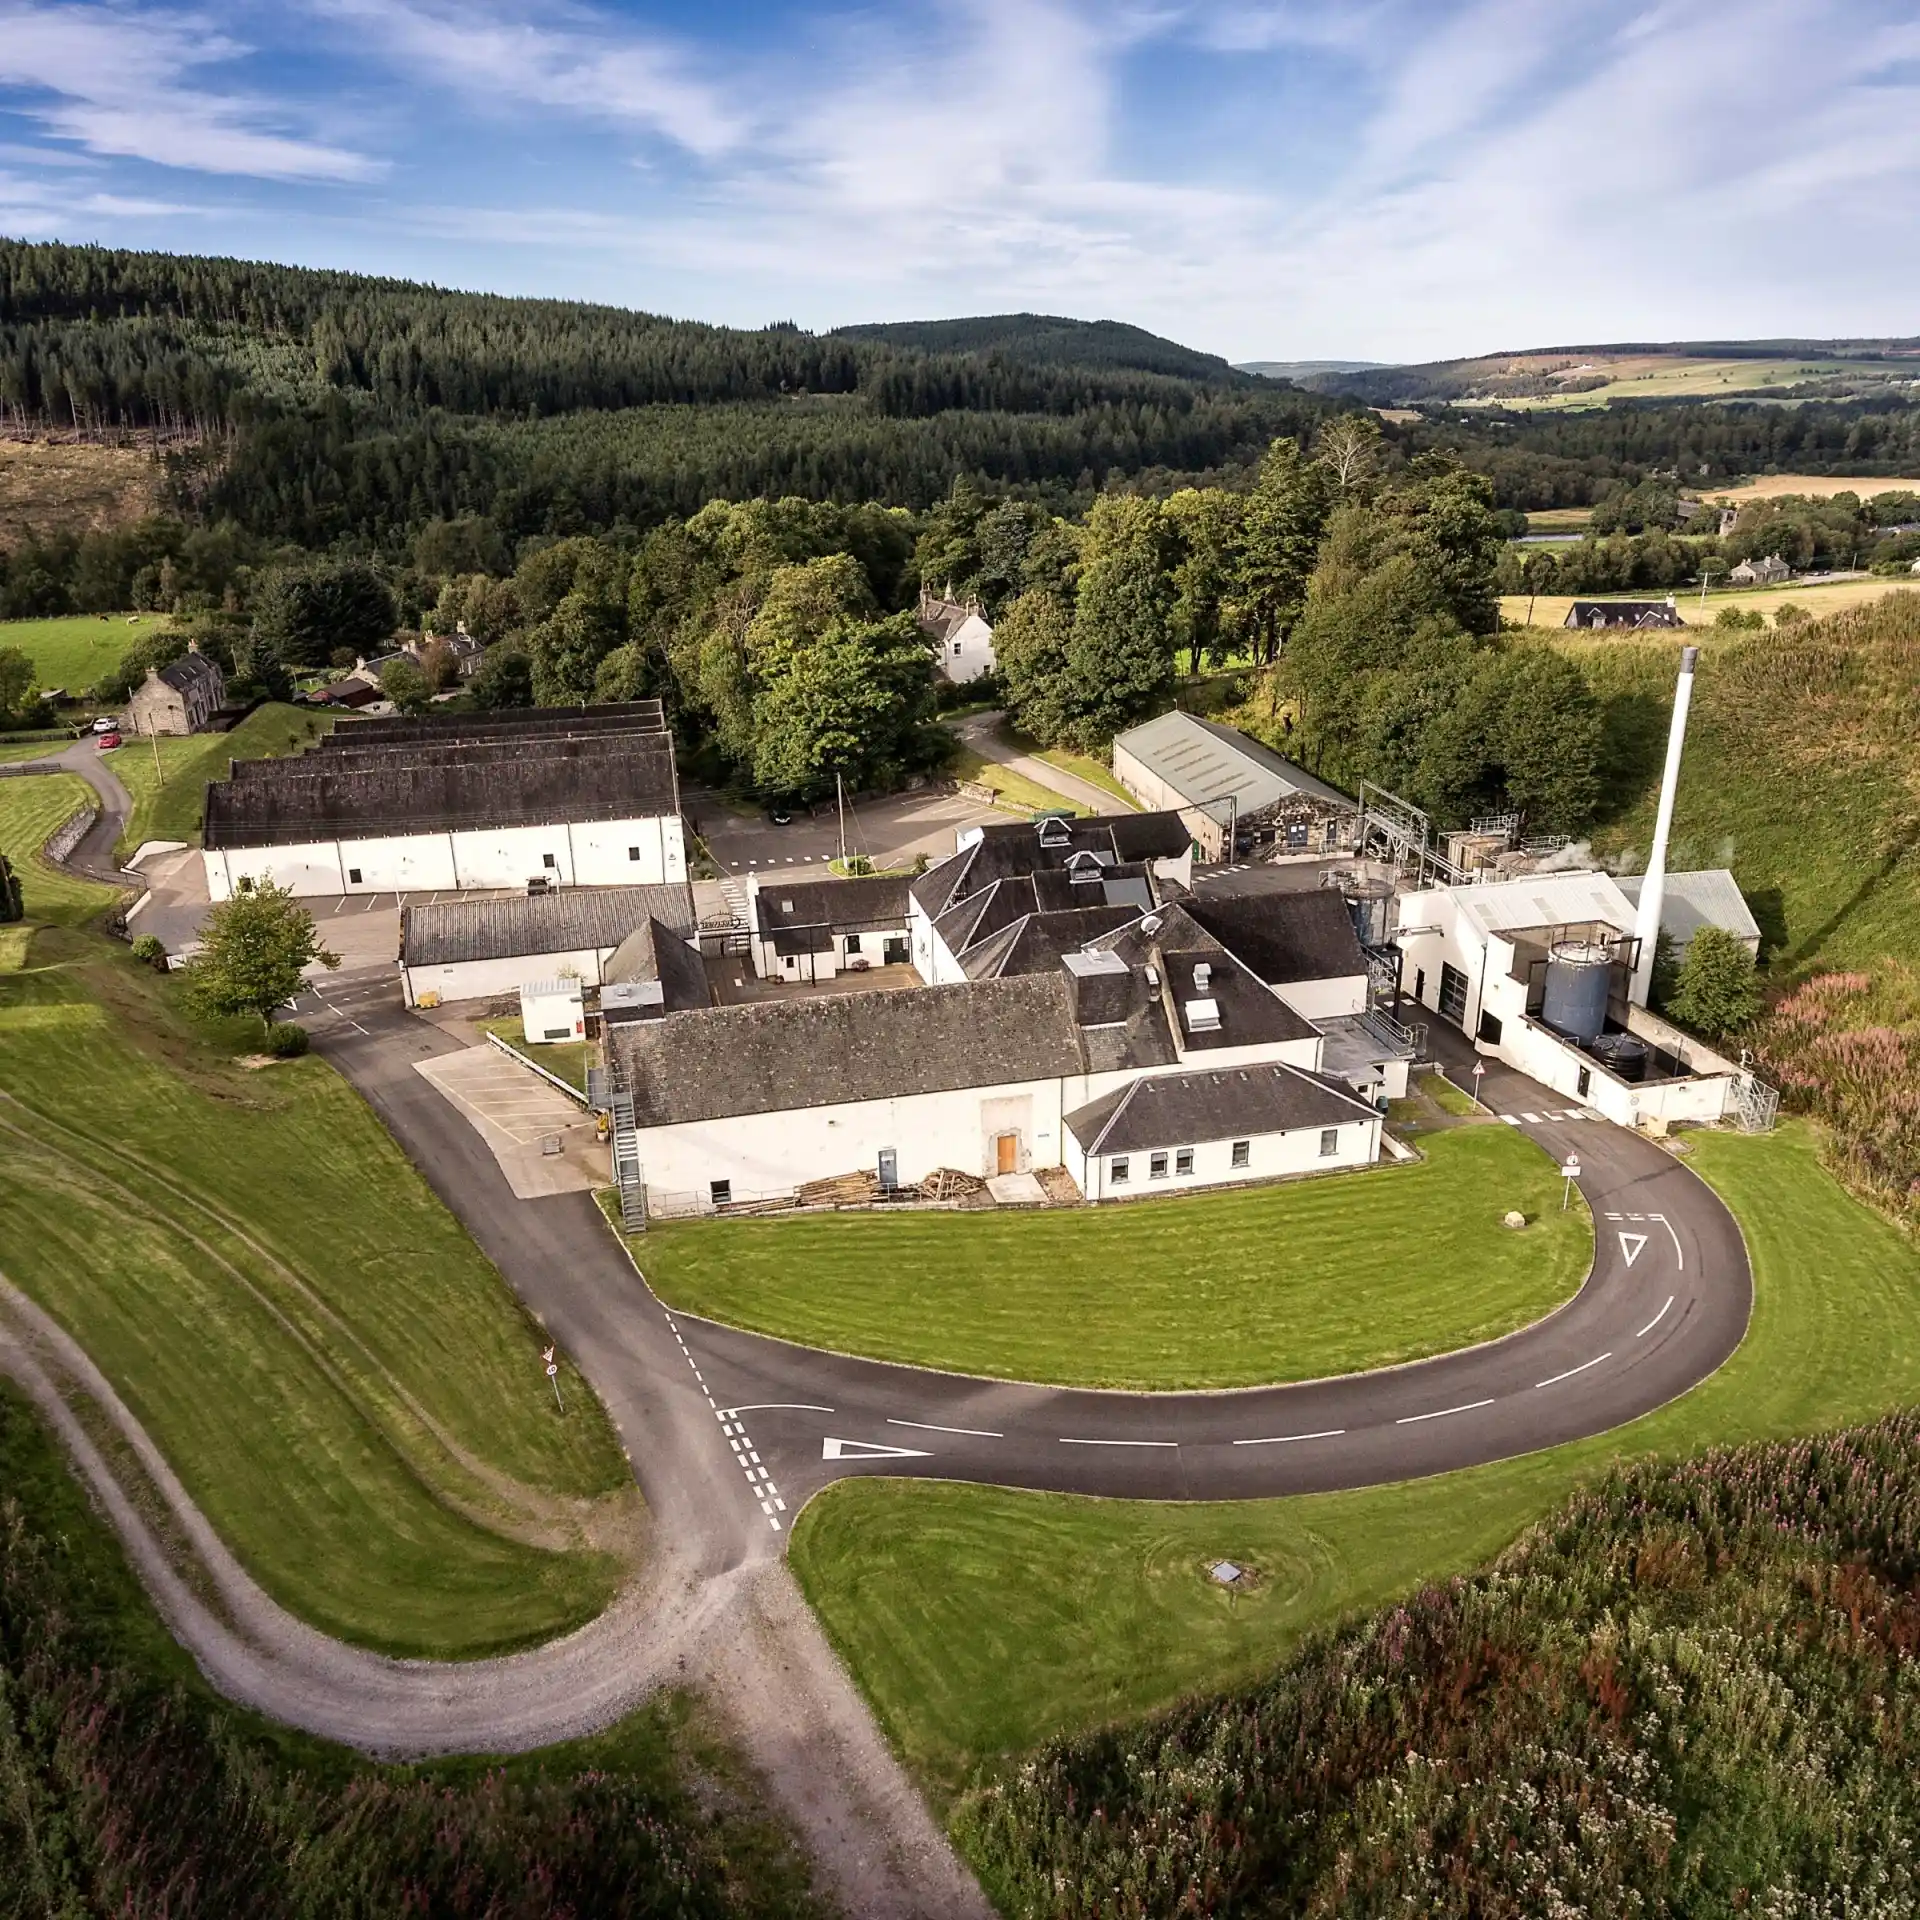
(181, 697)
(1633, 614)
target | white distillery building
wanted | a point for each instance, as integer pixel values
(455, 803)
(995, 1075)
(483, 949)
(815, 930)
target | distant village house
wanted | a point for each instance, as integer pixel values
(961, 635)
(181, 697)
(1770, 572)
(1633, 614)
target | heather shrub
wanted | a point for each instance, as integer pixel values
(1692, 1690)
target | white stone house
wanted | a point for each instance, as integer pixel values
(815, 930)
(961, 636)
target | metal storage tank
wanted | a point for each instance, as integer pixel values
(1623, 1054)
(1370, 901)
(1576, 1000)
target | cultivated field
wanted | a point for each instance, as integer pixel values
(77, 649)
(333, 1368)
(1819, 485)
(49, 487)
(1200, 1290)
(1666, 376)
(981, 1621)
(1550, 609)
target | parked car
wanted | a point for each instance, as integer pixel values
(107, 742)
(106, 724)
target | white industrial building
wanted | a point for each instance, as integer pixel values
(815, 930)
(483, 949)
(1040, 1014)
(1224, 785)
(456, 803)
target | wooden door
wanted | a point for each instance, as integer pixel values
(1006, 1149)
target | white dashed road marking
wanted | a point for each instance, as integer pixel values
(1571, 1371)
(1440, 1413)
(759, 1481)
(1655, 1321)
(1286, 1439)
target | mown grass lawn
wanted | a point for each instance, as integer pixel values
(337, 1374)
(1201, 1290)
(979, 1622)
(566, 1060)
(169, 800)
(1013, 790)
(75, 650)
(32, 806)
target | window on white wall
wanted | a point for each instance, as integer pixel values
(633, 853)
(720, 1192)
(1242, 1153)
(853, 943)
(1117, 1172)
(547, 860)
(1329, 1142)
(1183, 1161)
(353, 876)
(1157, 1166)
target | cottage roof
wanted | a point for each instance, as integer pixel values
(345, 796)
(1217, 768)
(1623, 613)
(1283, 937)
(510, 926)
(189, 671)
(532, 723)
(867, 903)
(781, 1055)
(1224, 1103)
(656, 952)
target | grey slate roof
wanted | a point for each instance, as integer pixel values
(445, 932)
(1017, 852)
(628, 716)
(1622, 613)
(1249, 1014)
(347, 796)
(1036, 942)
(654, 951)
(779, 1055)
(189, 670)
(1227, 1103)
(1285, 936)
(867, 903)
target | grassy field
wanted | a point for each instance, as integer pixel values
(168, 802)
(31, 807)
(1204, 1290)
(77, 649)
(330, 1364)
(981, 1621)
(1800, 774)
(1818, 485)
(1672, 376)
(566, 1060)
(1010, 789)
(1550, 609)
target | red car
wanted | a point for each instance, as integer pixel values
(107, 742)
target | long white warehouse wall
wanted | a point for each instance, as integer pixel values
(1269, 1156)
(598, 853)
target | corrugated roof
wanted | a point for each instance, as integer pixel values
(1209, 765)
(1225, 1103)
(1709, 898)
(445, 932)
(1546, 900)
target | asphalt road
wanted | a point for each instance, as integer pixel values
(731, 1433)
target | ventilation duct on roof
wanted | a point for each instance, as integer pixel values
(1202, 976)
(1203, 1016)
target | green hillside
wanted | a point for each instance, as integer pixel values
(1048, 340)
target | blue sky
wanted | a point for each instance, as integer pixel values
(1381, 179)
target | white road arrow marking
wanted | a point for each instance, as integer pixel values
(831, 1449)
(1631, 1245)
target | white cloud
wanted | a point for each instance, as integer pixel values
(129, 84)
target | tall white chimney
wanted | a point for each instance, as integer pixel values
(1653, 889)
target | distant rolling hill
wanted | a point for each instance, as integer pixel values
(1598, 376)
(1307, 369)
(1046, 339)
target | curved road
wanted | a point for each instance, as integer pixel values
(93, 857)
(738, 1430)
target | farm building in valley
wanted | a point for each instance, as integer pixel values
(457, 802)
(1224, 785)
(1633, 615)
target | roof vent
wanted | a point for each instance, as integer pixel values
(1203, 1016)
(1150, 925)
(1153, 979)
(1202, 976)
(786, 906)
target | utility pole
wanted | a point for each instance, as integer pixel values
(840, 805)
(153, 739)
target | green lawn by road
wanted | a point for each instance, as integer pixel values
(333, 1368)
(1199, 1290)
(980, 1622)
(167, 779)
(32, 806)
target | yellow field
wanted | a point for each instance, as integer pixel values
(1550, 609)
(1819, 485)
(1666, 376)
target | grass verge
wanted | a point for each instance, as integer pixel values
(1231, 1289)
(1010, 789)
(32, 806)
(980, 1622)
(565, 1059)
(1095, 772)
(169, 788)
(329, 1363)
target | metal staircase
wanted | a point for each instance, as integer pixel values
(627, 1179)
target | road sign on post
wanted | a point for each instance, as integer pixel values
(1572, 1173)
(553, 1374)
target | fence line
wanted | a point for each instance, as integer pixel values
(513, 1053)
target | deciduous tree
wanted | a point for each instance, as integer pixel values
(1717, 992)
(255, 949)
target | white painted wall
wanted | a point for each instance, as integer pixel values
(1270, 1155)
(1326, 999)
(552, 1011)
(629, 853)
(968, 652)
(492, 979)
